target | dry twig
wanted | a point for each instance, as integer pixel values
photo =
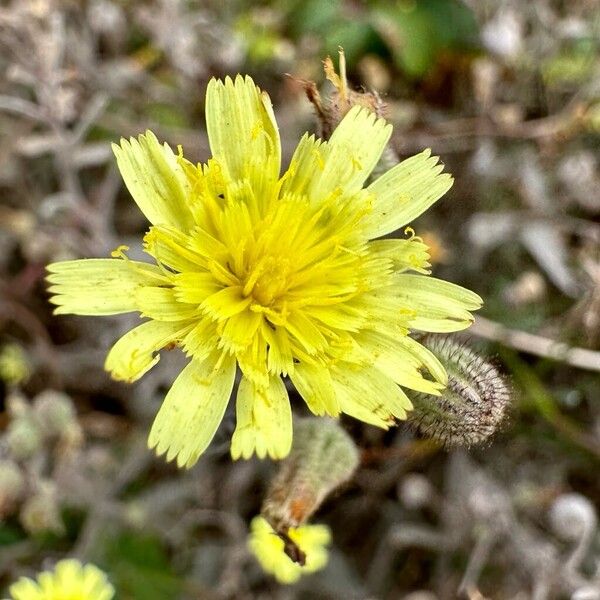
(536, 344)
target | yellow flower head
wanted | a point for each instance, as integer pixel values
(268, 548)
(70, 580)
(279, 275)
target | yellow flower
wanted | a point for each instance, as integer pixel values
(268, 548)
(70, 580)
(280, 276)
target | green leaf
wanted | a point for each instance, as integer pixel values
(417, 32)
(10, 534)
(139, 568)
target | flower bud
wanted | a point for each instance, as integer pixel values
(41, 513)
(24, 438)
(473, 404)
(12, 486)
(323, 456)
(71, 439)
(54, 412)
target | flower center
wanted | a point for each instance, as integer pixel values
(267, 279)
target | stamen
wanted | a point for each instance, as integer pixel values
(119, 252)
(254, 275)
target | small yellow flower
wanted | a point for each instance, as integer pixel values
(279, 276)
(268, 548)
(70, 580)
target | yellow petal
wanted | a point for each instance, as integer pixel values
(406, 255)
(135, 353)
(355, 148)
(193, 409)
(369, 395)
(268, 548)
(440, 306)
(202, 339)
(156, 180)
(169, 247)
(25, 589)
(161, 304)
(438, 287)
(409, 376)
(240, 330)
(226, 302)
(312, 539)
(70, 579)
(279, 358)
(413, 355)
(314, 384)
(242, 131)
(422, 357)
(98, 286)
(318, 168)
(195, 287)
(307, 160)
(306, 332)
(404, 192)
(264, 421)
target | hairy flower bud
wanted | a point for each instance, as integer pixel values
(323, 457)
(12, 486)
(54, 412)
(473, 404)
(41, 512)
(23, 437)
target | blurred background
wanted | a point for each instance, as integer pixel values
(508, 94)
